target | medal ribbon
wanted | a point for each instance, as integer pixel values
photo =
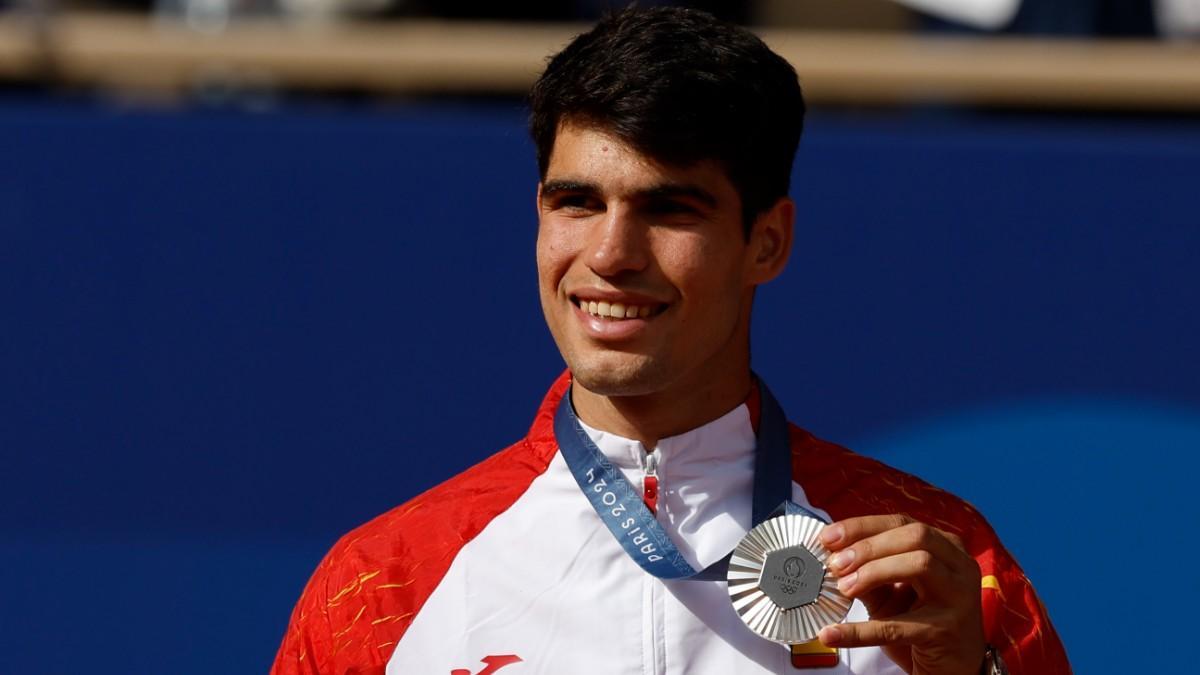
(633, 524)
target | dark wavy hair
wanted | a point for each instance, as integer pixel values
(679, 86)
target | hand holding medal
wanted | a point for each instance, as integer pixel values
(920, 587)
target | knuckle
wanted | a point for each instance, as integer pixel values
(864, 550)
(956, 540)
(891, 632)
(924, 561)
(916, 535)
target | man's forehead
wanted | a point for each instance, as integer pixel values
(575, 143)
(589, 155)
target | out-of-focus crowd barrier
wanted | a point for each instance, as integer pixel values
(140, 53)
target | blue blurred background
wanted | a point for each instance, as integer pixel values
(230, 337)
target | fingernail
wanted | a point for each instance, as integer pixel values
(832, 534)
(830, 636)
(847, 582)
(842, 559)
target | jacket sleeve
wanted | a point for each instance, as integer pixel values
(306, 643)
(1015, 621)
(341, 625)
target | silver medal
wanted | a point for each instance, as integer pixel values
(779, 584)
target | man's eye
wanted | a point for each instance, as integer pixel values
(576, 204)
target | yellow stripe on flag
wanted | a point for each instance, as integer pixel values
(813, 655)
(813, 647)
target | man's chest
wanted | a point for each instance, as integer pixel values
(545, 588)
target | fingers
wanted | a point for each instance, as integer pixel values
(919, 568)
(919, 584)
(938, 640)
(860, 540)
(844, 532)
(897, 631)
(873, 553)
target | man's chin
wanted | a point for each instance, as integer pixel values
(626, 377)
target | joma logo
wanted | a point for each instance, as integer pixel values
(490, 664)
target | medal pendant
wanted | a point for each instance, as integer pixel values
(779, 584)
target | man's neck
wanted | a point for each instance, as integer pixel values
(649, 418)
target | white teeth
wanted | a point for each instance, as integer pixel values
(615, 310)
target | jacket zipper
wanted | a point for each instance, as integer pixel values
(652, 587)
(650, 482)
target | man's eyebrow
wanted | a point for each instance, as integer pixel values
(553, 187)
(659, 191)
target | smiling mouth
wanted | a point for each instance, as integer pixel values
(617, 311)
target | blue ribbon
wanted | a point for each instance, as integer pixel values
(621, 508)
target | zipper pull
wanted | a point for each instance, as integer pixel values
(650, 482)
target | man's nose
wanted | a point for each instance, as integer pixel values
(618, 244)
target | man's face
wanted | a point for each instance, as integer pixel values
(660, 246)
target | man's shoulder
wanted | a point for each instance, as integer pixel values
(454, 511)
(450, 514)
(370, 586)
(848, 484)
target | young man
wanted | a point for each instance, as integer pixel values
(665, 142)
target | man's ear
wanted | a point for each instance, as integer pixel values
(771, 241)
